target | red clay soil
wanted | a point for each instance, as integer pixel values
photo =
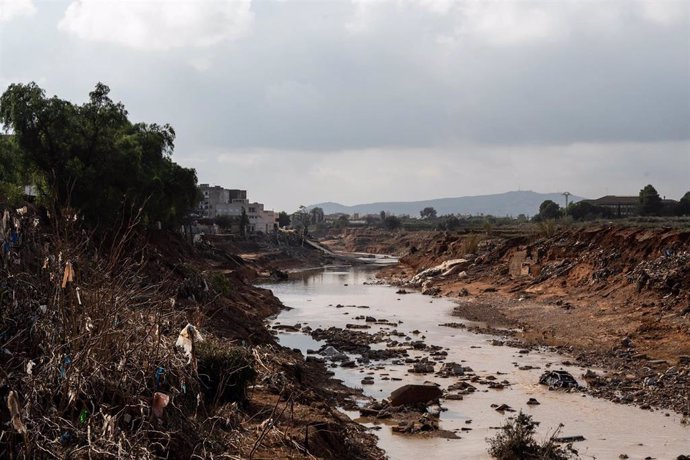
(609, 282)
(616, 298)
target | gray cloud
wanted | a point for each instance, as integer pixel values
(349, 90)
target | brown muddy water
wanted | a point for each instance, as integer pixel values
(610, 429)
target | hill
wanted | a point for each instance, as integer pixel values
(501, 204)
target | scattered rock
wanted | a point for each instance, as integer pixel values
(451, 370)
(503, 408)
(422, 368)
(415, 394)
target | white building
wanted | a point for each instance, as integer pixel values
(218, 201)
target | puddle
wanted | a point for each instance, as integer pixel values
(610, 429)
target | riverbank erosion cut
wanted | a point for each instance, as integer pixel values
(143, 346)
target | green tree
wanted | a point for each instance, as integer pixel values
(342, 221)
(452, 222)
(392, 223)
(371, 219)
(317, 215)
(428, 213)
(224, 221)
(12, 171)
(244, 222)
(683, 208)
(91, 157)
(650, 201)
(548, 210)
(584, 210)
(283, 219)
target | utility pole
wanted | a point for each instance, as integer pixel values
(566, 195)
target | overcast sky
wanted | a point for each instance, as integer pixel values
(357, 101)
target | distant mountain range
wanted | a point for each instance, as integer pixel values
(499, 205)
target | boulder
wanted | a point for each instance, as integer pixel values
(415, 394)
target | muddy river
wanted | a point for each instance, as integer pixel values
(609, 429)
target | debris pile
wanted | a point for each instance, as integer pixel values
(669, 273)
(558, 380)
(88, 348)
(125, 347)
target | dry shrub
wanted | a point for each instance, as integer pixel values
(516, 441)
(87, 358)
(470, 244)
(547, 228)
(224, 372)
(220, 283)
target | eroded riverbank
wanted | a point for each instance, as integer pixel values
(330, 299)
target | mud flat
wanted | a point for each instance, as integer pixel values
(384, 336)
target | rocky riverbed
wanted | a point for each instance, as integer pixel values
(378, 340)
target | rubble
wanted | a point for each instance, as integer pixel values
(447, 268)
(560, 380)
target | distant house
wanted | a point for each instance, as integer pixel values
(624, 206)
(219, 201)
(620, 206)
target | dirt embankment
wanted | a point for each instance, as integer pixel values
(91, 362)
(267, 254)
(376, 241)
(289, 410)
(616, 297)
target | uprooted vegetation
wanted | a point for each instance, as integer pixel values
(88, 346)
(122, 350)
(516, 441)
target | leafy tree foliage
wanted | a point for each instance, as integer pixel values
(283, 219)
(548, 210)
(683, 208)
(372, 220)
(452, 222)
(650, 201)
(584, 210)
(392, 223)
(428, 213)
(342, 221)
(93, 158)
(317, 215)
(244, 222)
(12, 171)
(224, 221)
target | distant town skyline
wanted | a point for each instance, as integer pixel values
(360, 101)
